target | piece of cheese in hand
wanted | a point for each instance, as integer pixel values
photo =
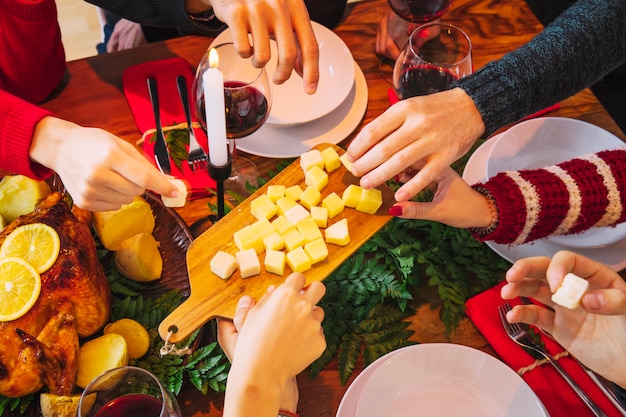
(182, 194)
(223, 264)
(571, 291)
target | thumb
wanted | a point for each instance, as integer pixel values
(610, 302)
(243, 307)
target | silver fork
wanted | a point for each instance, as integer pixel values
(519, 334)
(197, 159)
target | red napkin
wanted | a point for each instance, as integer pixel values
(136, 90)
(557, 396)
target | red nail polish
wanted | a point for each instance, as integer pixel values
(395, 211)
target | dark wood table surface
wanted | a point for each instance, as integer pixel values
(94, 97)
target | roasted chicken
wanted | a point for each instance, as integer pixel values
(41, 348)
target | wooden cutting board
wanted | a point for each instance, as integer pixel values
(212, 296)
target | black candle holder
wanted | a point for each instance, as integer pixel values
(220, 174)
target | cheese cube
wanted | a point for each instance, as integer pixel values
(352, 195)
(309, 230)
(273, 241)
(298, 260)
(297, 213)
(571, 291)
(317, 250)
(274, 192)
(331, 159)
(294, 192)
(320, 215)
(316, 177)
(275, 262)
(311, 158)
(248, 263)
(223, 264)
(344, 160)
(334, 204)
(310, 197)
(371, 200)
(263, 226)
(282, 224)
(337, 233)
(262, 207)
(182, 194)
(293, 239)
(248, 238)
(284, 204)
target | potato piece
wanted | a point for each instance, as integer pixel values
(136, 336)
(114, 227)
(19, 195)
(63, 405)
(99, 355)
(571, 291)
(139, 258)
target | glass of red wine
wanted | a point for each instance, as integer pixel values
(435, 55)
(127, 391)
(419, 11)
(247, 100)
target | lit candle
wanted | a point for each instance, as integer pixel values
(213, 84)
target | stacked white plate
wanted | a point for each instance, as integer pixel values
(299, 121)
(439, 379)
(539, 143)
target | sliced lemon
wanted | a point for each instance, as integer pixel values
(20, 285)
(36, 243)
(136, 336)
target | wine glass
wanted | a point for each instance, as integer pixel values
(435, 55)
(419, 11)
(247, 100)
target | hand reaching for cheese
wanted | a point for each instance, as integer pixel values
(596, 332)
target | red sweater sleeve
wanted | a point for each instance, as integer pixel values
(571, 197)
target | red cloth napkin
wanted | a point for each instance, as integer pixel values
(557, 396)
(136, 90)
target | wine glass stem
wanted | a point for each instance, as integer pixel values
(232, 144)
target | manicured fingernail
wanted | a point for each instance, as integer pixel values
(395, 211)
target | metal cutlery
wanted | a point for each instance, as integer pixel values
(518, 332)
(197, 158)
(161, 154)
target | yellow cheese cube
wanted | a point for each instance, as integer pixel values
(320, 215)
(263, 226)
(262, 207)
(248, 263)
(352, 195)
(309, 229)
(371, 200)
(334, 204)
(317, 250)
(311, 158)
(310, 197)
(248, 238)
(344, 160)
(331, 159)
(297, 213)
(294, 192)
(275, 262)
(273, 241)
(298, 260)
(282, 224)
(293, 239)
(338, 233)
(316, 177)
(223, 264)
(274, 192)
(284, 204)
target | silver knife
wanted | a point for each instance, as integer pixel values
(161, 154)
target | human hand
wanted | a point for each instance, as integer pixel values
(392, 32)
(594, 333)
(424, 134)
(99, 170)
(126, 34)
(285, 20)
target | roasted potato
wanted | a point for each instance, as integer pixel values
(114, 227)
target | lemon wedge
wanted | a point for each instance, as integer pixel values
(20, 285)
(36, 243)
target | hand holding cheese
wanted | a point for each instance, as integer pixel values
(571, 291)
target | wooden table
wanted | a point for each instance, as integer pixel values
(94, 97)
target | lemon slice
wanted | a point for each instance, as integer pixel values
(36, 243)
(20, 285)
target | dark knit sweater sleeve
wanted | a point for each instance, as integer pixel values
(567, 198)
(584, 43)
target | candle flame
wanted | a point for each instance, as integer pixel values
(214, 59)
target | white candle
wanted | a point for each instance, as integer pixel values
(213, 85)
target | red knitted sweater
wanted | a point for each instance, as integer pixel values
(32, 63)
(566, 198)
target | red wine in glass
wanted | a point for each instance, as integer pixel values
(135, 405)
(421, 80)
(419, 11)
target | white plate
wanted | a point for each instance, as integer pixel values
(446, 380)
(292, 141)
(476, 171)
(290, 104)
(545, 141)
